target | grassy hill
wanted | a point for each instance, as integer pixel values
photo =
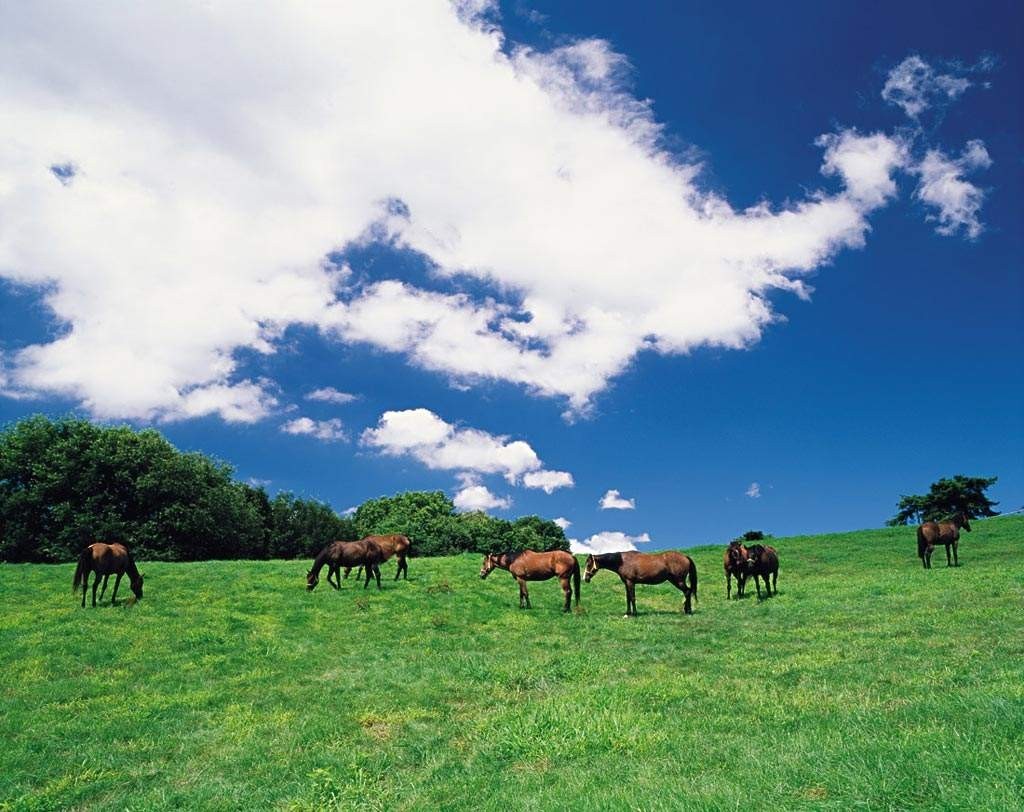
(867, 682)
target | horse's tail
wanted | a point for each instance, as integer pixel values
(576, 579)
(921, 543)
(82, 570)
(693, 577)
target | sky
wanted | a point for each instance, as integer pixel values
(664, 272)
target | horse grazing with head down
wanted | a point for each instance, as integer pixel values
(394, 544)
(532, 566)
(104, 560)
(931, 534)
(362, 553)
(648, 568)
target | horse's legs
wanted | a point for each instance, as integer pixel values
(376, 574)
(104, 590)
(956, 561)
(567, 589)
(85, 587)
(630, 606)
(336, 572)
(728, 585)
(347, 571)
(95, 583)
(949, 561)
(405, 568)
(117, 583)
(775, 582)
(369, 575)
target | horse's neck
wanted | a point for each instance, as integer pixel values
(318, 563)
(131, 569)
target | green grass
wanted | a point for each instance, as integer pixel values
(867, 682)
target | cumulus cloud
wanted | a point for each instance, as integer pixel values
(613, 500)
(943, 187)
(548, 481)
(562, 522)
(914, 86)
(211, 158)
(607, 542)
(331, 395)
(479, 497)
(754, 491)
(327, 430)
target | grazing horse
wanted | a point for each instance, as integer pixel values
(763, 561)
(734, 564)
(931, 534)
(362, 553)
(391, 545)
(648, 568)
(104, 560)
(532, 566)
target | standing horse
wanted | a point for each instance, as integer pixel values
(104, 560)
(363, 553)
(532, 566)
(648, 568)
(763, 561)
(734, 564)
(391, 545)
(931, 534)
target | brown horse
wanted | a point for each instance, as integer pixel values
(734, 564)
(532, 566)
(763, 561)
(104, 560)
(391, 545)
(648, 568)
(931, 534)
(362, 553)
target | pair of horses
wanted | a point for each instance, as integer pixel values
(103, 560)
(932, 534)
(632, 567)
(742, 562)
(368, 553)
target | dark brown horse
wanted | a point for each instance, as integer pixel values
(648, 568)
(762, 562)
(104, 560)
(931, 534)
(734, 563)
(532, 566)
(362, 553)
(391, 545)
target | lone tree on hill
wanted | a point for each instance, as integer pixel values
(946, 498)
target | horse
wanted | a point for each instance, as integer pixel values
(391, 545)
(931, 534)
(362, 553)
(104, 560)
(648, 568)
(733, 562)
(763, 561)
(533, 566)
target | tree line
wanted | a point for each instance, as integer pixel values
(67, 482)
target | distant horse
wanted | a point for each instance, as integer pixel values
(532, 566)
(104, 560)
(391, 545)
(931, 534)
(734, 564)
(648, 568)
(763, 561)
(362, 553)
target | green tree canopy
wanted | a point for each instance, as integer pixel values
(946, 498)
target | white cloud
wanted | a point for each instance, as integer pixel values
(256, 482)
(562, 522)
(479, 497)
(331, 395)
(327, 430)
(548, 481)
(865, 163)
(607, 542)
(613, 500)
(219, 155)
(754, 491)
(942, 187)
(914, 86)
(350, 511)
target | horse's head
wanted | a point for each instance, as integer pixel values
(964, 521)
(311, 580)
(738, 556)
(490, 562)
(137, 587)
(592, 568)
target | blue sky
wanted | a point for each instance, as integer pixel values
(899, 361)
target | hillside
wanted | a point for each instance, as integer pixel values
(867, 681)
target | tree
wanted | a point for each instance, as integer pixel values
(946, 498)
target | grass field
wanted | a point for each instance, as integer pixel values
(867, 682)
